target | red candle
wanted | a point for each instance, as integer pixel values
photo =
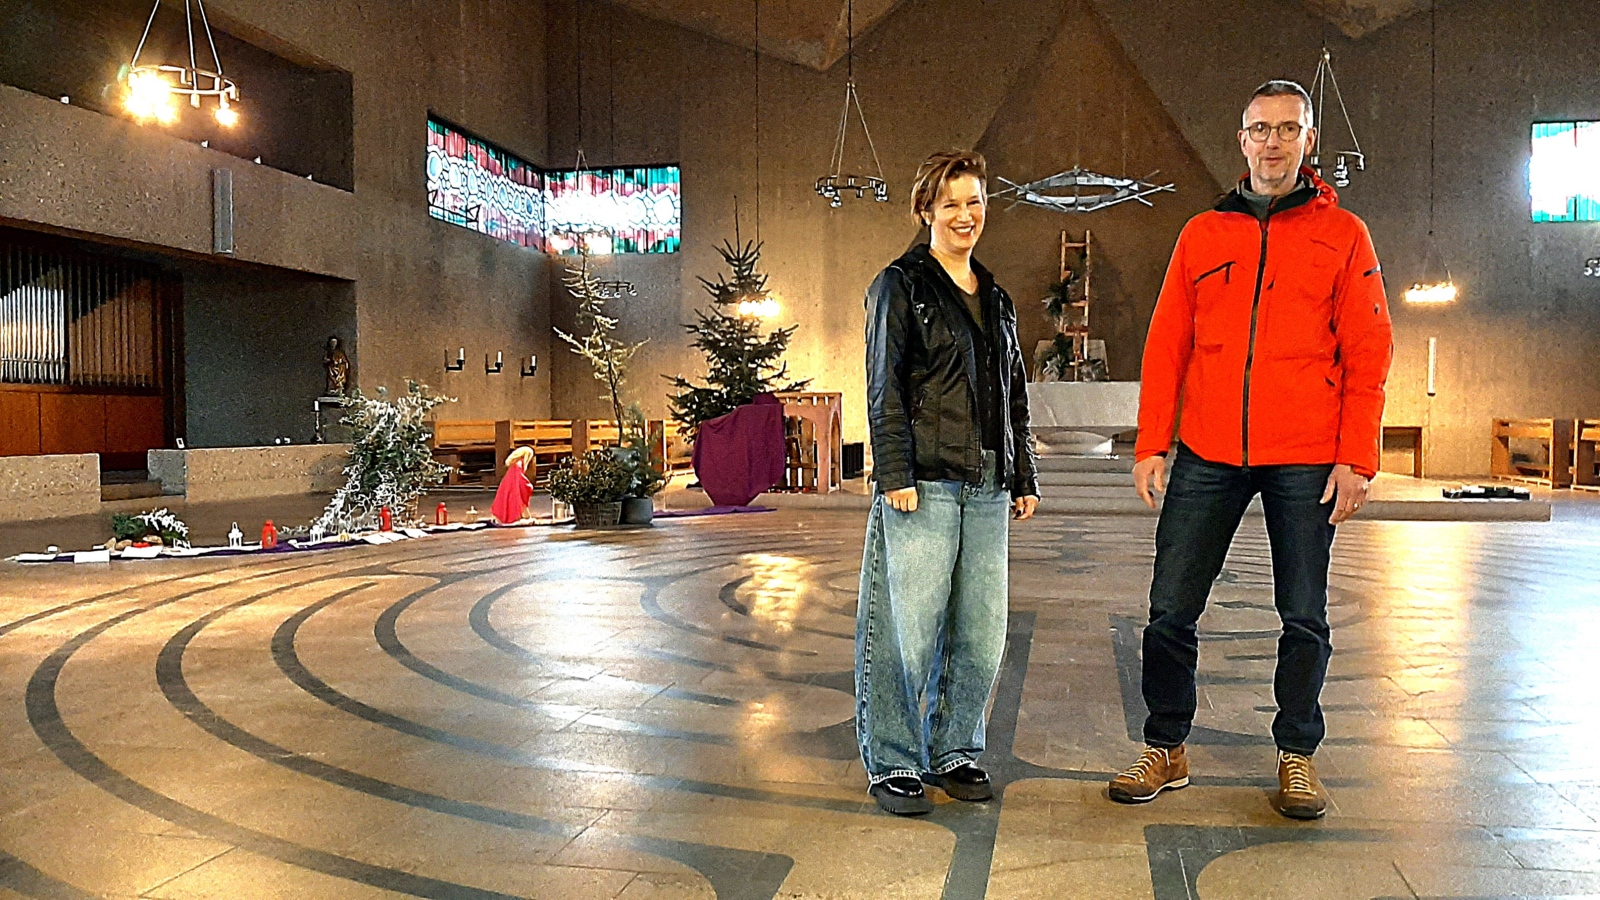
(386, 519)
(269, 536)
(441, 516)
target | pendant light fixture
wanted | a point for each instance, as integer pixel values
(1342, 158)
(833, 187)
(1426, 290)
(153, 90)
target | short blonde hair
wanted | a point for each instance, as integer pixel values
(520, 457)
(940, 169)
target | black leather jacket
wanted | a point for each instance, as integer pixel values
(921, 368)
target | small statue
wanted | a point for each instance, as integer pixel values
(338, 369)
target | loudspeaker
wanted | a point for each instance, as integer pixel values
(222, 211)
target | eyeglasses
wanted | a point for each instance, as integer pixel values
(1287, 131)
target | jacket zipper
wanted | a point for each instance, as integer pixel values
(1250, 354)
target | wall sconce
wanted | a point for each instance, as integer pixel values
(459, 364)
(497, 368)
(532, 368)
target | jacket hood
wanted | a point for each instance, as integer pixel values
(1311, 191)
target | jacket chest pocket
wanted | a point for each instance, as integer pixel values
(1216, 294)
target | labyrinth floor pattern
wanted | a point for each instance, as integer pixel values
(666, 714)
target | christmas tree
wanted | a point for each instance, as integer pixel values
(743, 359)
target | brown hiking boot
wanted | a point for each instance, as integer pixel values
(1300, 793)
(1157, 769)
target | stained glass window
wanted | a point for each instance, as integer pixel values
(1564, 173)
(627, 210)
(477, 185)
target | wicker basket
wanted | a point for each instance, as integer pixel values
(597, 515)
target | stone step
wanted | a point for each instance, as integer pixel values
(1095, 479)
(129, 490)
(1059, 463)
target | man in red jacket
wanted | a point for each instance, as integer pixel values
(1272, 334)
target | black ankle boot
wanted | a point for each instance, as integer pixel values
(901, 796)
(964, 782)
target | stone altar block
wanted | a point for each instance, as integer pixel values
(49, 487)
(1079, 417)
(243, 473)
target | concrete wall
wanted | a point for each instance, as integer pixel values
(1523, 338)
(1122, 87)
(245, 473)
(255, 340)
(48, 487)
(421, 287)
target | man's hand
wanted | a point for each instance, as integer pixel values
(1150, 478)
(1023, 507)
(1349, 488)
(904, 500)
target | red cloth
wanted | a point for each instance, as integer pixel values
(512, 499)
(741, 454)
(1302, 336)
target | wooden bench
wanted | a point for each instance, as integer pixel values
(467, 447)
(481, 447)
(1554, 436)
(1586, 454)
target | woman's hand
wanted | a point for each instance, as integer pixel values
(1023, 507)
(904, 500)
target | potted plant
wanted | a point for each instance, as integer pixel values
(593, 485)
(646, 468)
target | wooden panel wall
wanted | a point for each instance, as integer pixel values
(19, 423)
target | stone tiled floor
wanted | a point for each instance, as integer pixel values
(666, 714)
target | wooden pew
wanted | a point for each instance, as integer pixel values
(1554, 435)
(1586, 454)
(465, 445)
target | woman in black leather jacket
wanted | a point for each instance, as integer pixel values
(947, 405)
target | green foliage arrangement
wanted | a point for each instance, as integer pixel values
(742, 358)
(1061, 297)
(143, 526)
(390, 463)
(646, 468)
(596, 477)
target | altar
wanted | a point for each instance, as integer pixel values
(1080, 417)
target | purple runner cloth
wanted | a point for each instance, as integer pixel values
(741, 454)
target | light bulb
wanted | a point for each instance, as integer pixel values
(227, 116)
(1439, 292)
(150, 97)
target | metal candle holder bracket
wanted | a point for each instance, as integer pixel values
(499, 363)
(532, 367)
(459, 364)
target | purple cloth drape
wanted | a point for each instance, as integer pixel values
(741, 454)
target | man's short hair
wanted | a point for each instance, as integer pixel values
(1283, 87)
(939, 170)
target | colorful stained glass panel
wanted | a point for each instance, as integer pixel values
(1564, 173)
(476, 185)
(625, 210)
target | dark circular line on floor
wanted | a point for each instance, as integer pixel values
(729, 592)
(16, 875)
(720, 865)
(478, 619)
(44, 715)
(384, 629)
(288, 661)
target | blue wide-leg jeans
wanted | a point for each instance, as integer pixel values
(930, 627)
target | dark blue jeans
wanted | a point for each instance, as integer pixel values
(1204, 504)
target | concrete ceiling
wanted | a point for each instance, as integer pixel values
(811, 33)
(808, 32)
(1358, 18)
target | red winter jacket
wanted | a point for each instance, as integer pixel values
(1274, 334)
